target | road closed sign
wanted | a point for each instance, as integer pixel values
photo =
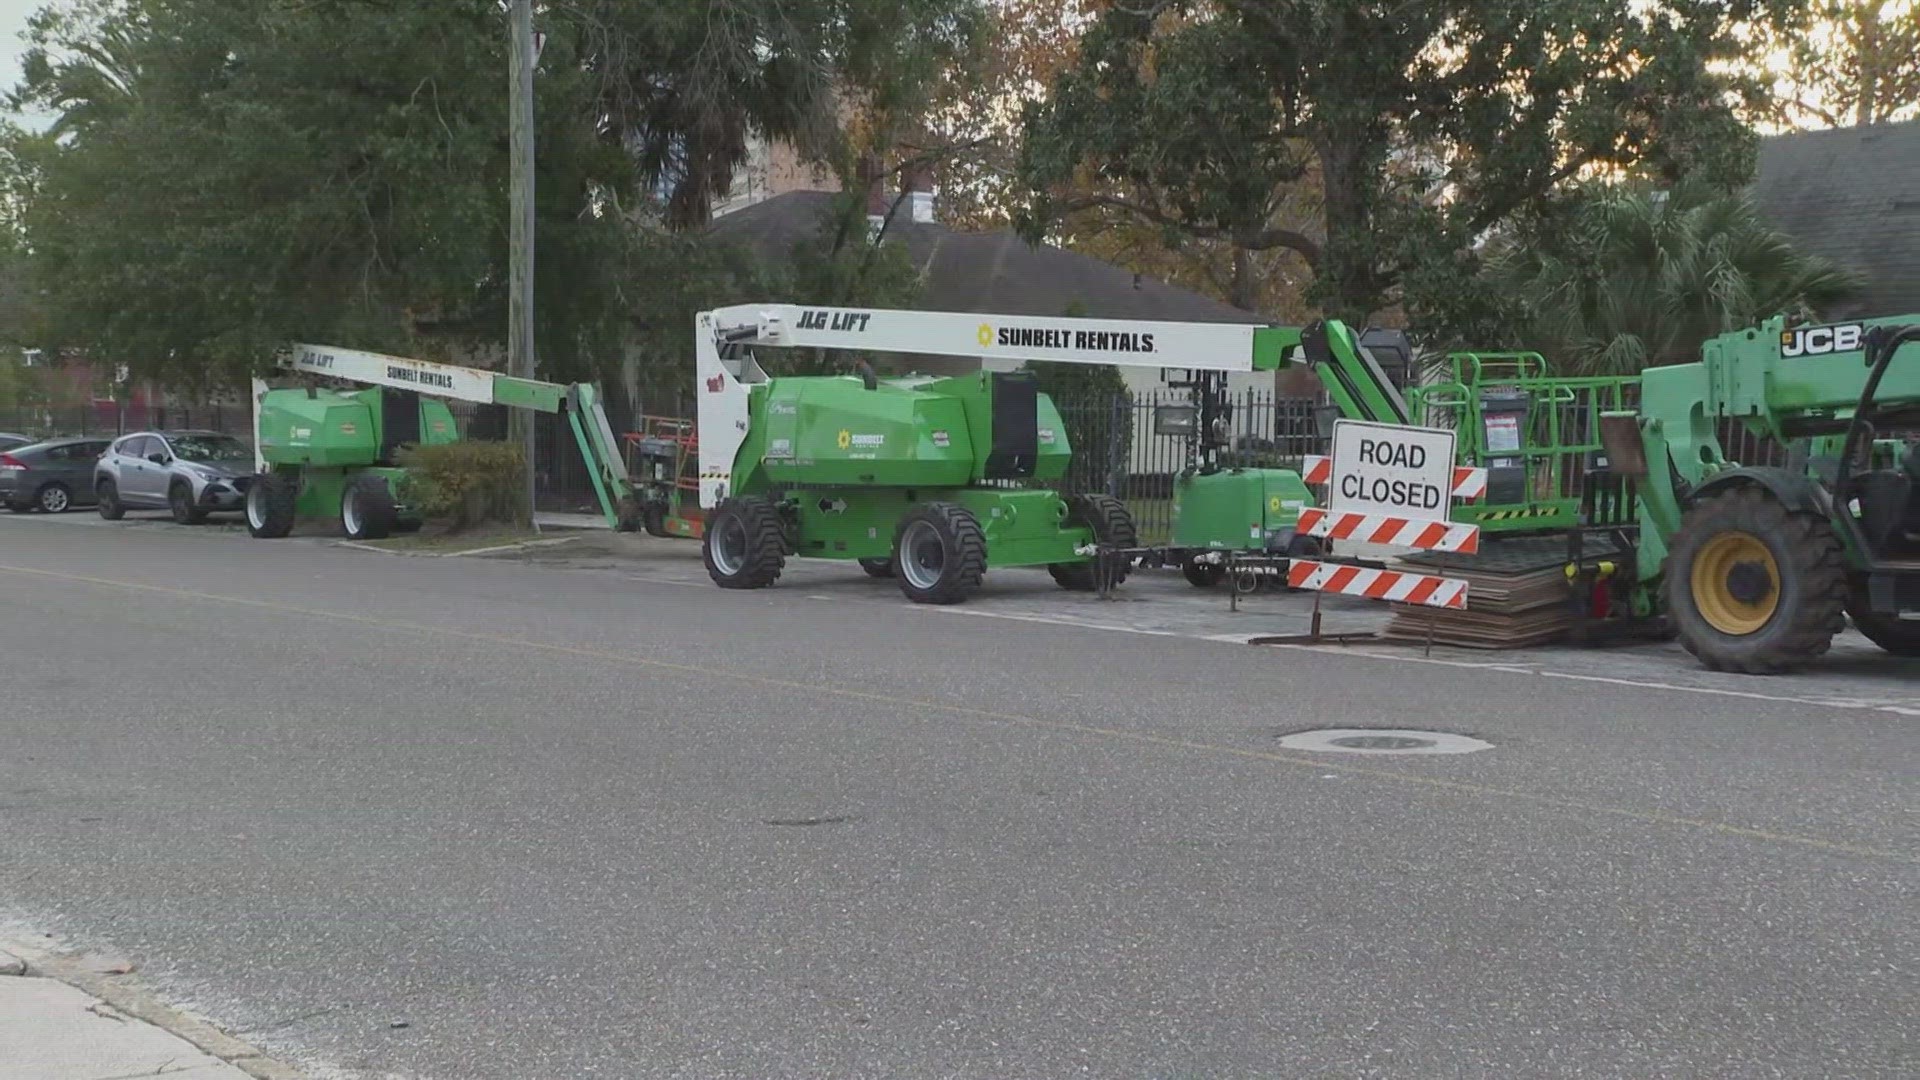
(1387, 469)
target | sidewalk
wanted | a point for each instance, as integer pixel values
(50, 1030)
(550, 520)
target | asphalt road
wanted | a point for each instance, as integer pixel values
(562, 823)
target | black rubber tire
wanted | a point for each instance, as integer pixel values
(107, 500)
(963, 553)
(408, 526)
(628, 515)
(877, 568)
(756, 523)
(270, 504)
(372, 502)
(180, 503)
(654, 520)
(1898, 636)
(1203, 575)
(1813, 583)
(1112, 525)
(22, 508)
(54, 499)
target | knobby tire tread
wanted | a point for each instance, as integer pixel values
(1814, 559)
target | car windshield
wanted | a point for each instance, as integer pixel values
(209, 448)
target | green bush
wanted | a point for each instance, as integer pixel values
(460, 486)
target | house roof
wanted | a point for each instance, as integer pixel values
(1850, 195)
(995, 272)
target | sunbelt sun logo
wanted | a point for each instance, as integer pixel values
(1064, 338)
(849, 441)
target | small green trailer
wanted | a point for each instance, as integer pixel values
(1252, 511)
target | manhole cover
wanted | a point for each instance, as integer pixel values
(1381, 742)
(1368, 741)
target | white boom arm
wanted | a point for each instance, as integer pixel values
(379, 369)
(725, 374)
(1107, 342)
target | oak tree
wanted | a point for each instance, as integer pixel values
(1379, 143)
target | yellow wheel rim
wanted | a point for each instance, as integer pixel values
(1736, 583)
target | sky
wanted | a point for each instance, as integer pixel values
(13, 20)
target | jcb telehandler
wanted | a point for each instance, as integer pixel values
(1758, 567)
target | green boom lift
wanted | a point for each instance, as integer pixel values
(333, 454)
(1536, 434)
(918, 477)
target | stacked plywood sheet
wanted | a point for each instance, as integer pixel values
(1516, 594)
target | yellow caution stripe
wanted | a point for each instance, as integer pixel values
(1516, 515)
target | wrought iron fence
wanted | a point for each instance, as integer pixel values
(1120, 449)
(112, 418)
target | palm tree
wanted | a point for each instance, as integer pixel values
(1633, 277)
(83, 66)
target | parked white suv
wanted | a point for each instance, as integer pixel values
(191, 473)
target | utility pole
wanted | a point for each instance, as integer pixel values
(520, 361)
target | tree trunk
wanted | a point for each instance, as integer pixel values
(1246, 281)
(1348, 282)
(1867, 49)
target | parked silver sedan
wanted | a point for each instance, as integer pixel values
(191, 473)
(52, 476)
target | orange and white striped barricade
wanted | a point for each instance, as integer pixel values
(1392, 485)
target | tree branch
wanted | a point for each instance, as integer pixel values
(923, 156)
(1494, 212)
(1265, 240)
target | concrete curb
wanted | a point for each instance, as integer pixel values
(572, 522)
(357, 546)
(127, 996)
(11, 966)
(522, 545)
